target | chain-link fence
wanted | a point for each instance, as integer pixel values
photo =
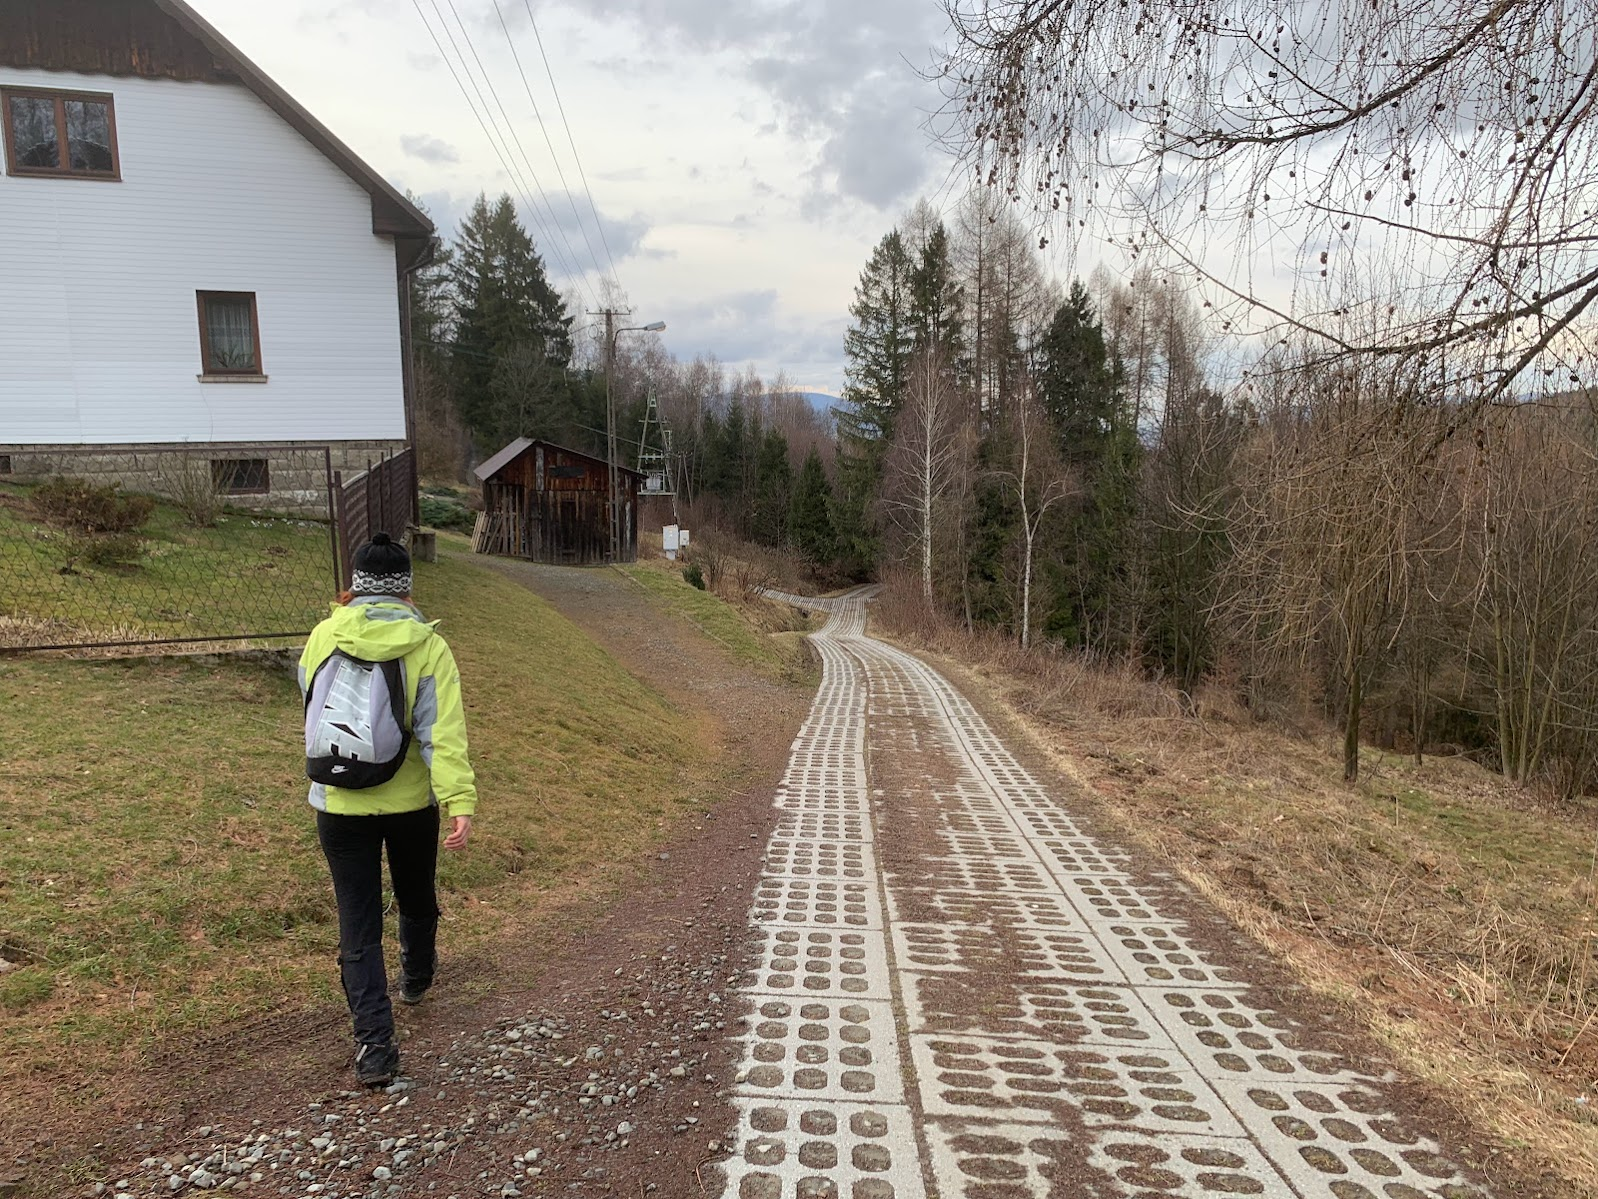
(102, 548)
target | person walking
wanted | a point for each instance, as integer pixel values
(385, 749)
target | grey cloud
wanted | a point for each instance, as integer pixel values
(429, 148)
(747, 327)
(445, 210)
(632, 68)
(840, 72)
(622, 175)
(573, 219)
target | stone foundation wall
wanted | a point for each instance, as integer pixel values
(296, 482)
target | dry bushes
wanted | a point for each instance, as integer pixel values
(739, 570)
(91, 507)
(1069, 685)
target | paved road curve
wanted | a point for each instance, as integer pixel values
(961, 994)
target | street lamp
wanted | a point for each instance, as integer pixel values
(610, 422)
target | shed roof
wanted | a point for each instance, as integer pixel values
(522, 444)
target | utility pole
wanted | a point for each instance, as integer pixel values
(610, 315)
(612, 332)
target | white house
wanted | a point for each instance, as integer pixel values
(188, 258)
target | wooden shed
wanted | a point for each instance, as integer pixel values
(551, 504)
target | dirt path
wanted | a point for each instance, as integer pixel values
(522, 1066)
(962, 992)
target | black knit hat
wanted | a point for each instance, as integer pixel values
(381, 568)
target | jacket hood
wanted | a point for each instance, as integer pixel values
(379, 631)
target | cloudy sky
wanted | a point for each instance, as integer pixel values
(744, 155)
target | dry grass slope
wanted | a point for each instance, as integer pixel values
(159, 875)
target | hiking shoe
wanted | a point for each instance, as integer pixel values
(376, 1065)
(412, 990)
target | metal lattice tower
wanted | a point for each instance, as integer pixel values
(654, 461)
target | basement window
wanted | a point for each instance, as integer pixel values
(56, 133)
(5, 464)
(240, 476)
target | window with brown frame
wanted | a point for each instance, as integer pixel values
(54, 133)
(230, 333)
(240, 476)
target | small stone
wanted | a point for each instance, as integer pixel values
(382, 1173)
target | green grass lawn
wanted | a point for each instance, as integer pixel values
(158, 863)
(768, 637)
(249, 574)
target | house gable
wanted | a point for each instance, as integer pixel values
(166, 39)
(127, 39)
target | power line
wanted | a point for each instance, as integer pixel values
(489, 126)
(558, 245)
(538, 187)
(571, 141)
(513, 175)
(559, 171)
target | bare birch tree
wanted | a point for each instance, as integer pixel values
(932, 447)
(1035, 480)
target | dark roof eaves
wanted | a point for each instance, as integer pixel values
(522, 444)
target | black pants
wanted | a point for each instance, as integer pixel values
(354, 849)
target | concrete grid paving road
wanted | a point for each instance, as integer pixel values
(961, 994)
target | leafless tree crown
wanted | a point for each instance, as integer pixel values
(1435, 160)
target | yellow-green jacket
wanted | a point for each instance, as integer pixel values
(436, 769)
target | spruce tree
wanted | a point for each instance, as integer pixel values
(809, 520)
(937, 300)
(878, 345)
(1080, 384)
(877, 349)
(502, 300)
(773, 491)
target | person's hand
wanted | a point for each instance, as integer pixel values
(459, 833)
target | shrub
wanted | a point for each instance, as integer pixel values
(192, 486)
(108, 549)
(91, 507)
(443, 512)
(693, 576)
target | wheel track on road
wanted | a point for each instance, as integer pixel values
(963, 994)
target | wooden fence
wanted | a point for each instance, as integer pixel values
(381, 499)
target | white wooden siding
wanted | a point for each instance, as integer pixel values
(99, 336)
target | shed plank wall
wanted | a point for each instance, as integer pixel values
(565, 523)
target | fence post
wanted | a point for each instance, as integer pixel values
(341, 547)
(333, 532)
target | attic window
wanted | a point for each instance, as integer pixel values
(55, 133)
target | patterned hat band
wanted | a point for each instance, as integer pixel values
(362, 583)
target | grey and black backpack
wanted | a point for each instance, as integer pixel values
(355, 731)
